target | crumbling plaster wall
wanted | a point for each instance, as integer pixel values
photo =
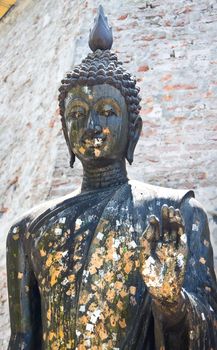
(171, 48)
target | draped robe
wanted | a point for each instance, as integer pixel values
(74, 280)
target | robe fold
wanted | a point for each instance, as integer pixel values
(83, 255)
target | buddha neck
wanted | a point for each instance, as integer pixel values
(103, 177)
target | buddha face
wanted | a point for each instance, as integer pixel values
(97, 123)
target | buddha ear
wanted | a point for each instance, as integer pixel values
(72, 160)
(134, 133)
(65, 133)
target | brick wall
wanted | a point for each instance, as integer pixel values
(170, 47)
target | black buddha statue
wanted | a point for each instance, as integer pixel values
(117, 264)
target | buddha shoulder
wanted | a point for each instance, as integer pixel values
(143, 191)
(24, 225)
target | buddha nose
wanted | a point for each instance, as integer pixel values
(91, 132)
(93, 123)
(98, 129)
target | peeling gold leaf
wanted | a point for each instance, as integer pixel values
(42, 252)
(71, 278)
(20, 275)
(97, 152)
(132, 290)
(82, 150)
(51, 335)
(202, 260)
(49, 314)
(122, 323)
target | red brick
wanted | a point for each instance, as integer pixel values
(149, 123)
(166, 77)
(3, 210)
(167, 97)
(143, 68)
(148, 100)
(148, 132)
(201, 175)
(121, 18)
(187, 9)
(119, 29)
(52, 123)
(146, 111)
(177, 120)
(167, 23)
(179, 87)
(148, 37)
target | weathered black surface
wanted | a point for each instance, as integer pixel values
(117, 264)
(59, 247)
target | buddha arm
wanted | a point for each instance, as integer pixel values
(193, 324)
(24, 298)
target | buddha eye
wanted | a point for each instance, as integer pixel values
(77, 113)
(108, 111)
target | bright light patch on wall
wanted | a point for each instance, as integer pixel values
(5, 5)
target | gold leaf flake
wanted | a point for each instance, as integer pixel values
(42, 252)
(70, 344)
(123, 293)
(106, 131)
(128, 267)
(78, 223)
(49, 260)
(49, 314)
(113, 320)
(97, 152)
(109, 276)
(71, 278)
(206, 243)
(82, 150)
(120, 305)
(202, 260)
(92, 270)
(54, 273)
(137, 263)
(60, 333)
(84, 320)
(71, 291)
(51, 335)
(58, 256)
(27, 235)
(20, 275)
(84, 298)
(110, 295)
(55, 346)
(102, 331)
(118, 285)
(122, 323)
(132, 290)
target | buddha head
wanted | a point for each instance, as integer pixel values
(99, 103)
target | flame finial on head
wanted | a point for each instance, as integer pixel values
(101, 35)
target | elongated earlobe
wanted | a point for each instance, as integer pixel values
(72, 160)
(65, 133)
(134, 134)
